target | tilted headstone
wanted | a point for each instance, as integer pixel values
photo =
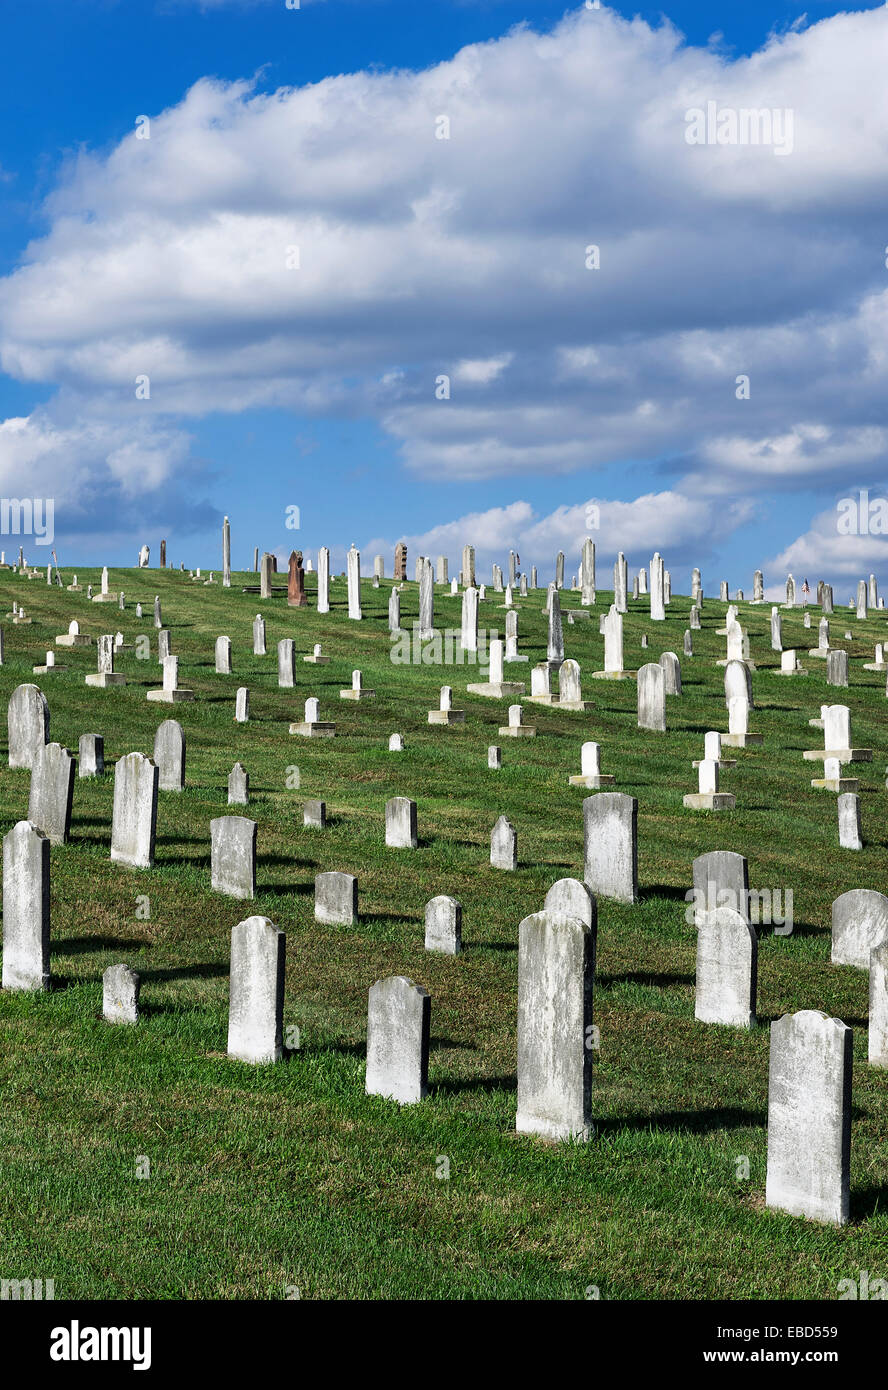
(25, 908)
(134, 816)
(398, 1019)
(336, 899)
(610, 850)
(556, 969)
(233, 856)
(809, 1117)
(443, 925)
(52, 792)
(256, 991)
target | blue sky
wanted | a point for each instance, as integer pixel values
(274, 385)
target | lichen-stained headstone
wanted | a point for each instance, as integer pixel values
(25, 908)
(256, 991)
(809, 1117)
(556, 967)
(398, 1018)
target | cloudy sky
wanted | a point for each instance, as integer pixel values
(446, 271)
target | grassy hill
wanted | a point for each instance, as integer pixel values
(265, 1181)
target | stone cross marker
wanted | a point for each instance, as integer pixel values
(233, 856)
(610, 832)
(25, 908)
(120, 994)
(134, 817)
(556, 966)
(398, 1019)
(256, 991)
(52, 792)
(809, 1117)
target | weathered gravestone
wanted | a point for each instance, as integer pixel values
(652, 698)
(859, 926)
(504, 845)
(398, 1019)
(848, 804)
(286, 663)
(443, 925)
(223, 656)
(400, 823)
(727, 967)
(878, 1007)
(336, 899)
(259, 635)
(721, 880)
(134, 816)
(238, 786)
(233, 856)
(256, 991)
(556, 968)
(809, 1117)
(314, 815)
(27, 721)
(25, 908)
(91, 755)
(169, 756)
(52, 792)
(242, 705)
(610, 851)
(120, 994)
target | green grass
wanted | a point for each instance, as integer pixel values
(266, 1179)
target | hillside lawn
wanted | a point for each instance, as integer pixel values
(264, 1181)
